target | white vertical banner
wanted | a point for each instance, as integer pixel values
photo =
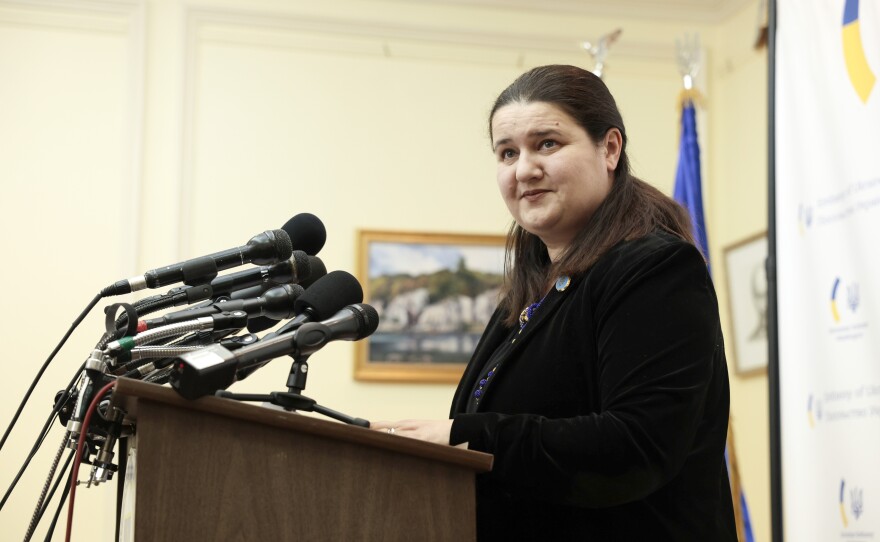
(827, 144)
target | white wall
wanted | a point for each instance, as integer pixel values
(139, 133)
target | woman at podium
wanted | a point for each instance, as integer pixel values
(600, 384)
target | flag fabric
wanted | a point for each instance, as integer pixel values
(688, 191)
(746, 520)
(740, 507)
(688, 187)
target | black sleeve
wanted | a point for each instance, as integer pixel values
(655, 321)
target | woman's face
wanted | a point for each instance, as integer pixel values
(551, 175)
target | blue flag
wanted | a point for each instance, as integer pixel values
(689, 192)
(688, 186)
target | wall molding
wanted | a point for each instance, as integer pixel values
(516, 42)
(701, 11)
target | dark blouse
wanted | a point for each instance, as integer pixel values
(607, 416)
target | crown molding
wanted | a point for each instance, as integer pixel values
(517, 43)
(692, 11)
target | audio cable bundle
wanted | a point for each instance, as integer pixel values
(200, 349)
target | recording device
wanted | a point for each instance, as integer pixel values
(215, 368)
(266, 248)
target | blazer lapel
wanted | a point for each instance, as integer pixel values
(492, 338)
(539, 319)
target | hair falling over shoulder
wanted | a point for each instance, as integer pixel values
(631, 210)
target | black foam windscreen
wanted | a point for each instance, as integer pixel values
(307, 233)
(328, 294)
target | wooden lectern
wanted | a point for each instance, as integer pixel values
(219, 470)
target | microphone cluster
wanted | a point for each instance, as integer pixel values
(204, 339)
(198, 349)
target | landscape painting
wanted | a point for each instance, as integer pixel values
(434, 294)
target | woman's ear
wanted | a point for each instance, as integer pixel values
(613, 144)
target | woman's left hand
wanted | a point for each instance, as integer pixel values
(436, 431)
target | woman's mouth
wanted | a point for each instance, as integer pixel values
(532, 195)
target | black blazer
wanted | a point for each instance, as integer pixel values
(608, 414)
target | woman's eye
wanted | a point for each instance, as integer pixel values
(507, 154)
(548, 144)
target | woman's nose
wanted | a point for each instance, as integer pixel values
(528, 168)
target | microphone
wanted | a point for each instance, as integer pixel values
(307, 237)
(262, 323)
(327, 295)
(298, 269)
(307, 233)
(277, 303)
(262, 249)
(205, 371)
(295, 269)
(317, 269)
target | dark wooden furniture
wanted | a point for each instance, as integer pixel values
(215, 469)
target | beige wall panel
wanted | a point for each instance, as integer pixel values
(68, 216)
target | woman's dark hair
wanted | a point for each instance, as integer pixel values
(631, 210)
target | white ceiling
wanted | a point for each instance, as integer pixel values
(679, 10)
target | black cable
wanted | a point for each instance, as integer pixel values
(27, 395)
(51, 494)
(60, 507)
(42, 435)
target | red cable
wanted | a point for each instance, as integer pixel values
(79, 452)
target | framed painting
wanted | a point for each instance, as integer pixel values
(434, 294)
(745, 268)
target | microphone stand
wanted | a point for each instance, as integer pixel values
(292, 399)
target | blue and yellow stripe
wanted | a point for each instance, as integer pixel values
(834, 311)
(860, 74)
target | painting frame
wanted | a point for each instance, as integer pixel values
(745, 270)
(371, 366)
